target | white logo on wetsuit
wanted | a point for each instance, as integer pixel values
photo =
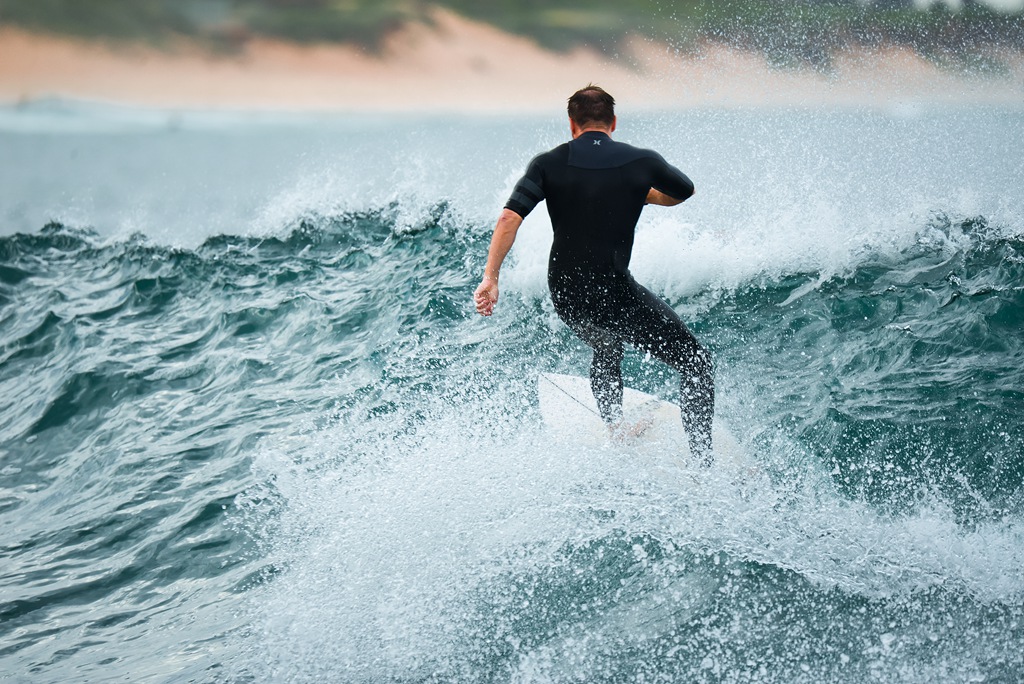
(597, 142)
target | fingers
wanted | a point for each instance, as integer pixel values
(484, 299)
(484, 306)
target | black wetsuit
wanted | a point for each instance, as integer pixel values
(595, 189)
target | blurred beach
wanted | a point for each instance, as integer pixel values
(458, 65)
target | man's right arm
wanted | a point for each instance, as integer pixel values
(670, 186)
(661, 199)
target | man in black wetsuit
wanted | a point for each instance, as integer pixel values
(595, 189)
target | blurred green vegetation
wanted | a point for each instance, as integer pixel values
(360, 21)
(811, 33)
(787, 31)
(147, 19)
(563, 24)
(224, 23)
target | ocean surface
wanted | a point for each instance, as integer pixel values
(252, 430)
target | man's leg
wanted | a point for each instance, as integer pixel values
(606, 378)
(697, 399)
(576, 304)
(649, 324)
(605, 369)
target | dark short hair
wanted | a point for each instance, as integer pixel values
(592, 105)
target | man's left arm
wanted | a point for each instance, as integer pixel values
(529, 191)
(486, 295)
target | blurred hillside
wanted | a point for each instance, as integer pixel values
(786, 31)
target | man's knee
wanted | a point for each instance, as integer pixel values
(703, 366)
(691, 359)
(606, 355)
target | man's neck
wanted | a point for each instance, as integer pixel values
(592, 127)
(602, 131)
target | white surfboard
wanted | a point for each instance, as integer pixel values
(570, 412)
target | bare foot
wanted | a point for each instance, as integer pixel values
(623, 430)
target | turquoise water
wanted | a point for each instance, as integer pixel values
(252, 430)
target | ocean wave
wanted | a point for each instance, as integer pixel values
(311, 427)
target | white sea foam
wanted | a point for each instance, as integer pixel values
(804, 191)
(413, 555)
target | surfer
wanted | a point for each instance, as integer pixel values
(595, 189)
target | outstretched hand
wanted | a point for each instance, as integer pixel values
(486, 296)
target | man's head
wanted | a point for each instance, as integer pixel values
(591, 108)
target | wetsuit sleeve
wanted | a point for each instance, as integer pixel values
(671, 181)
(529, 191)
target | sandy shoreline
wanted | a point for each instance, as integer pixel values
(459, 65)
